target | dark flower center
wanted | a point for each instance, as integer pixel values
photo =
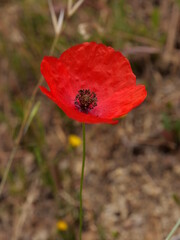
(85, 100)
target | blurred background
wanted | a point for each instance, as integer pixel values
(132, 174)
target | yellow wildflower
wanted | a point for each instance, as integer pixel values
(74, 140)
(62, 226)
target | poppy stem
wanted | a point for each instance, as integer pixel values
(81, 184)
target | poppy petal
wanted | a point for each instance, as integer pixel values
(122, 102)
(47, 92)
(96, 66)
(57, 78)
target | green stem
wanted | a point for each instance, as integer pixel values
(81, 185)
(173, 230)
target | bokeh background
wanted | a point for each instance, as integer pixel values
(132, 175)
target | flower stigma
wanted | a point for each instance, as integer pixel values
(85, 100)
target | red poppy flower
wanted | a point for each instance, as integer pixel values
(92, 83)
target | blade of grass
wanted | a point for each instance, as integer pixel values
(32, 115)
(173, 230)
(72, 9)
(57, 24)
(24, 122)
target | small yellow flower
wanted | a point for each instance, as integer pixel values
(74, 140)
(62, 226)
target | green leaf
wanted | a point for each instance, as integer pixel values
(32, 115)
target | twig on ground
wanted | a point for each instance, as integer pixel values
(26, 211)
(142, 50)
(172, 29)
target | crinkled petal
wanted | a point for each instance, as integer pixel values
(121, 102)
(57, 78)
(97, 67)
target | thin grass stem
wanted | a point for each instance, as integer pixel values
(23, 127)
(24, 123)
(173, 230)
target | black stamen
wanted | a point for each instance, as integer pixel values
(85, 100)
